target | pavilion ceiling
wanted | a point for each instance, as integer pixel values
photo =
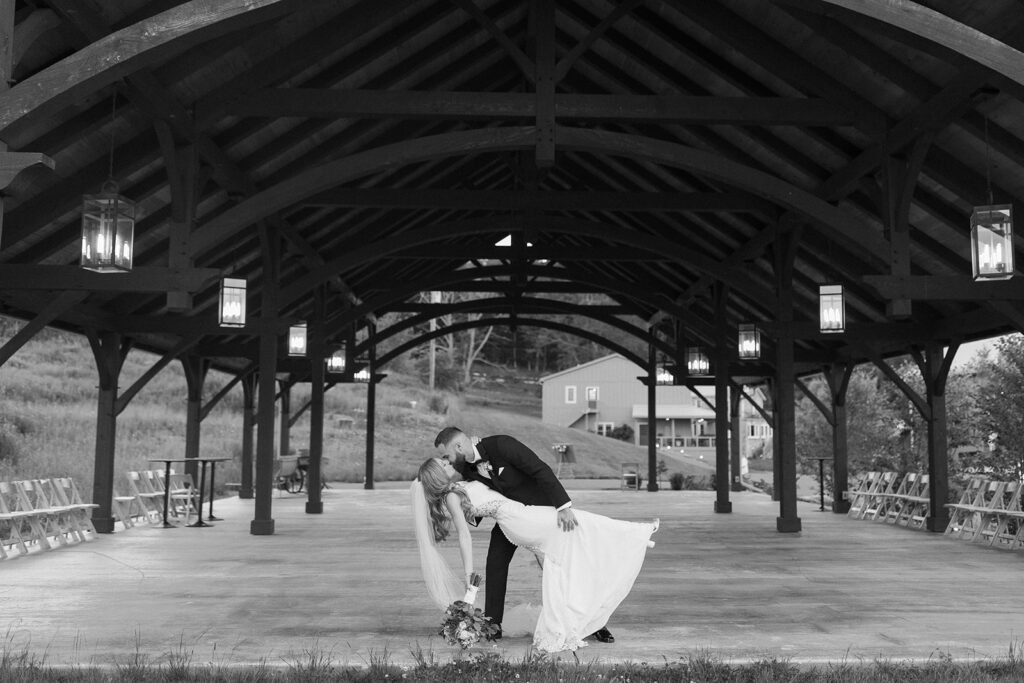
(668, 154)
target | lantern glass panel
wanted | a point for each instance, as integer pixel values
(992, 242)
(232, 302)
(297, 340)
(336, 361)
(664, 376)
(362, 376)
(697, 362)
(749, 342)
(832, 308)
(108, 231)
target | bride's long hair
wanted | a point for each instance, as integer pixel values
(436, 487)
(430, 522)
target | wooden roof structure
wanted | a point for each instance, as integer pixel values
(704, 164)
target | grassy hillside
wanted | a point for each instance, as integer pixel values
(48, 417)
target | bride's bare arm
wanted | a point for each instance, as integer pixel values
(454, 504)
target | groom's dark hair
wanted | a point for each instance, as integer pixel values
(445, 436)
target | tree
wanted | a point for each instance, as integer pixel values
(999, 405)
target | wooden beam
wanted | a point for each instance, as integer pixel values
(946, 288)
(957, 36)
(14, 276)
(541, 200)
(486, 106)
(60, 304)
(125, 51)
(518, 56)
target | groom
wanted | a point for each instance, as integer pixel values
(509, 467)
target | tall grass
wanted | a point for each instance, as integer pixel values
(380, 667)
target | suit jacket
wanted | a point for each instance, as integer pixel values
(517, 472)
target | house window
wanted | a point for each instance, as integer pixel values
(759, 431)
(570, 394)
(605, 428)
(592, 393)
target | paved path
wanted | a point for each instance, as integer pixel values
(346, 585)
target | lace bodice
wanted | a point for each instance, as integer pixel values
(485, 501)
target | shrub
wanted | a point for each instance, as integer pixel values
(676, 481)
(623, 433)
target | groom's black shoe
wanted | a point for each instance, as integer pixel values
(497, 636)
(604, 635)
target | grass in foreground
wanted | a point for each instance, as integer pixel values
(315, 666)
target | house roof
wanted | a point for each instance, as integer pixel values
(674, 412)
(577, 368)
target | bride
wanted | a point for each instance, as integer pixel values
(587, 571)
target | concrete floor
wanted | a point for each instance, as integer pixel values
(346, 585)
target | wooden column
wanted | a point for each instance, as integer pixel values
(936, 372)
(652, 414)
(371, 406)
(317, 351)
(285, 435)
(109, 351)
(245, 491)
(735, 440)
(785, 409)
(722, 502)
(262, 523)
(195, 376)
(838, 378)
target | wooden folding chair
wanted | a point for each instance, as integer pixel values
(859, 496)
(962, 513)
(919, 504)
(1007, 516)
(42, 521)
(879, 498)
(184, 495)
(149, 501)
(81, 512)
(893, 504)
(12, 519)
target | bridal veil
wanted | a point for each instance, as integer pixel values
(443, 585)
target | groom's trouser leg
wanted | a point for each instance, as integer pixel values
(499, 555)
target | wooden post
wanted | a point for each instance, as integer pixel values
(262, 523)
(245, 492)
(785, 409)
(652, 414)
(317, 351)
(736, 439)
(936, 368)
(286, 414)
(109, 351)
(838, 377)
(722, 502)
(195, 376)
(371, 405)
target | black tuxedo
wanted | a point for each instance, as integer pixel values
(516, 473)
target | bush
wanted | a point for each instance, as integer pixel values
(623, 433)
(676, 481)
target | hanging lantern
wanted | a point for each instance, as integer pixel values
(832, 308)
(697, 362)
(108, 230)
(992, 242)
(297, 340)
(363, 375)
(749, 342)
(336, 361)
(232, 303)
(664, 376)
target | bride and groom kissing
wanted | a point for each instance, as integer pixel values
(590, 561)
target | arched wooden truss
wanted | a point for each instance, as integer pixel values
(702, 164)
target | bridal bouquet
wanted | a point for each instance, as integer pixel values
(465, 625)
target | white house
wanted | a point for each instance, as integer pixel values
(607, 393)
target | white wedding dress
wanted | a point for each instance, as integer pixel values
(588, 571)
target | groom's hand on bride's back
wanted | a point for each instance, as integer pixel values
(567, 519)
